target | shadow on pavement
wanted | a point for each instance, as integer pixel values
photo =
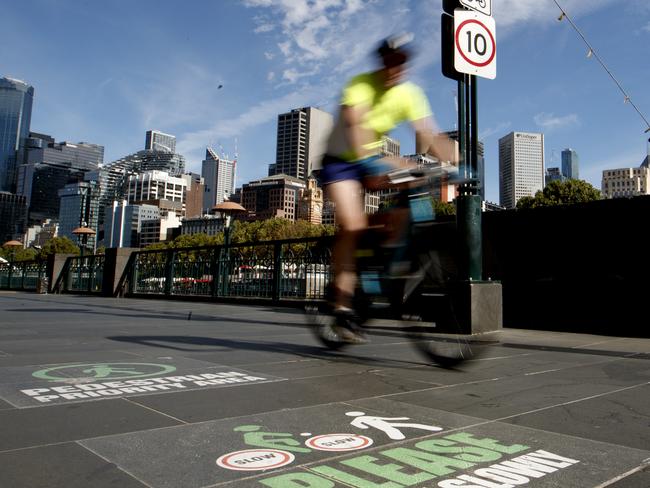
(165, 316)
(575, 350)
(314, 352)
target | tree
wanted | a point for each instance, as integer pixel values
(442, 209)
(557, 192)
(58, 245)
(28, 254)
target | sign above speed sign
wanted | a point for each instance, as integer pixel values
(483, 6)
(475, 46)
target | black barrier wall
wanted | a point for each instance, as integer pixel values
(579, 268)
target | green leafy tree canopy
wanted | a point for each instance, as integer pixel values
(567, 192)
(59, 245)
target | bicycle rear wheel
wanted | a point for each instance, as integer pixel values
(422, 313)
(320, 318)
(446, 352)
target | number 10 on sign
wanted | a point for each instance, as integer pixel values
(475, 47)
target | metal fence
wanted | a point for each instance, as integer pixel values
(275, 270)
(84, 274)
(22, 275)
(296, 268)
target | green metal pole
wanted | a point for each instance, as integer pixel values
(468, 218)
(11, 267)
(225, 265)
(277, 271)
(81, 261)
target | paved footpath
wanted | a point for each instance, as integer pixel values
(98, 392)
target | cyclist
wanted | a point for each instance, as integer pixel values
(372, 104)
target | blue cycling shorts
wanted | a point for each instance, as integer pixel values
(335, 169)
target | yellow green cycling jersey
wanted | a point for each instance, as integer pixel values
(384, 108)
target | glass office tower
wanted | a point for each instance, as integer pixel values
(16, 99)
(570, 164)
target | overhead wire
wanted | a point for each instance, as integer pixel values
(592, 52)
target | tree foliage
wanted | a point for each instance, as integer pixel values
(277, 229)
(561, 193)
(443, 208)
(256, 231)
(18, 254)
(59, 245)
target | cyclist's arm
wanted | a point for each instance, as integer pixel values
(357, 135)
(429, 141)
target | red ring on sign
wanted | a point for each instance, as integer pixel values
(494, 44)
(366, 441)
(224, 461)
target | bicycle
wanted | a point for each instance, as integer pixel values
(402, 276)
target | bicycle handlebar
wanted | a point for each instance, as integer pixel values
(407, 175)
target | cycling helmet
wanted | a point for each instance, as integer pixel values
(395, 50)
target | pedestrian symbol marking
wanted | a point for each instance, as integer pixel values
(110, 371)
(255, 459)
(388, 425)
(82, 382)
(339, 442)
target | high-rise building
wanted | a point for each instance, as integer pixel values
(301, 140)
(156, 185)
(49, 166)
(570, 164)
(554, 174)
(16, 99)
(273, 196)
(159, 141)
(124, 223)
(219, 179)
(195, 189)
(79, 207)
(521, 167)
(149, 160)
(13, 216)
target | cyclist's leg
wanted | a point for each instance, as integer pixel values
(348, 200)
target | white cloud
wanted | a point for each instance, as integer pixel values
(518, 13)
(263, 28)
(549, 121)
(269, 55)
(500, 130)
(646, 27)
(270, 76)
(330, 36)
(192, 144)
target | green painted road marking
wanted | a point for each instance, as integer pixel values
(112, 371)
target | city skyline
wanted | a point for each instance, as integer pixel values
(207, 92)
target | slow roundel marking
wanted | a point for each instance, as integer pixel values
(339, 442)
(255, 459)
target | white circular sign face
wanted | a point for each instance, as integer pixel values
(475, 44)
(255, 459)
(338, 442)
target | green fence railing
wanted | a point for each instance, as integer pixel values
(295, 268)
(275, 270)
(22, 275)
(84, 274)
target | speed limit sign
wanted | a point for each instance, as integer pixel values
(475, 46)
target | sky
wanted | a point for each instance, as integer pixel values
(106, 72)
